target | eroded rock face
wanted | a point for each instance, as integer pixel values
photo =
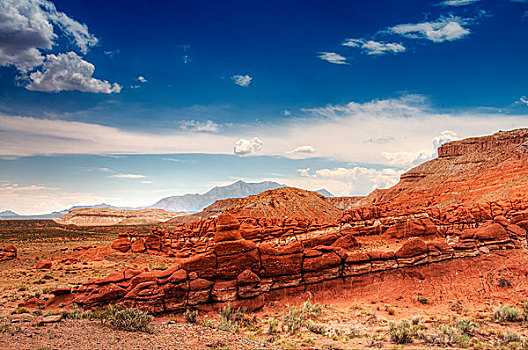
(9, 252)
(243, 254)
(242, 272)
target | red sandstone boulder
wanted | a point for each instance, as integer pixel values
(412, 252)
(491, 232)
(501, 220)
(230, 266)
(204, 265)
(122, 244)
(44, 265)
(226, 222)
(347, 242)
(138, 246)
(101, 295)
(224, 291)
(413, 247)
(8, 253)
(233, 247)
(516, 230)
(281, 265)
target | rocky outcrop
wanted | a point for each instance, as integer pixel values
(470, 171)
(243, 272)
(108, 217)
(282, 203)
(9, 252)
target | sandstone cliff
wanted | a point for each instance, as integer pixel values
(474, 170)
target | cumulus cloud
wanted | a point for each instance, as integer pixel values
(332, 57)
(443, 29)
(348, 181)
(141, 79)
(248, 146)
(198, 126)
(68, 71)
(129, 176)
(457, 3)
(371, 47)
(408, 159)
(27, 26)
(242, 80)
(444, 137)
(302, 150)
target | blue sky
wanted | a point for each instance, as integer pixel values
(342, 95)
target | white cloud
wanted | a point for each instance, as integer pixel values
(339, 132)
(198, 126)
(443, 29)
(26, 27)
(332, 57)
(248, 146)
(68, 71)
(242, 80)
(347, 181)
(286, 113)
(444, 137)
(371, 47)
(146, 182)
(457, 3)
(524, 100)
(8, 187)
(112, 53)
(129, 176)
(141, 79)
(302, 150)
(407, 159)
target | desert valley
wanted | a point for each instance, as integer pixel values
(263, 175)
(440, 259)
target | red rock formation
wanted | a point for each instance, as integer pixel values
(243, 272)
(9, 252)
(474, 170)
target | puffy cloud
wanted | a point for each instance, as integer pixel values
(407, 159)
(26, 27)
(347, 181)
(242, 80)
(443, 29)
(457, 3)
(332, 57)
(302, 150)
(194, 125)
(444, 137)
(141, 79)
(68, 71)
(248, 146)
(129, 176)
(371, 47)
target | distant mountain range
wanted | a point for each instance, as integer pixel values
(190, 203)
